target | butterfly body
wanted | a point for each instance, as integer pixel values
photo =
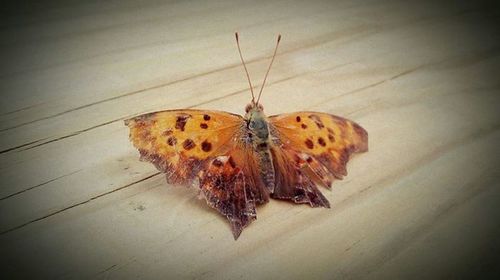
(259, 134)
(240, 162)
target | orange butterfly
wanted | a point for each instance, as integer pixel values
(240, 162)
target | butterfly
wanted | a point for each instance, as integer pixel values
(240, 162)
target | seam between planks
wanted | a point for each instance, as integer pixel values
(78, 204)
(39, 185)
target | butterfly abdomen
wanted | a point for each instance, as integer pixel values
(266, 165)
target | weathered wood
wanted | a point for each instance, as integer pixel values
(76, 202)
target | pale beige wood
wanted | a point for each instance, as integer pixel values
(420, 77)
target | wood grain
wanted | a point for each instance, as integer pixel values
(75, 201)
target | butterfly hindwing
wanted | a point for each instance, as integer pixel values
(292, 182)
(230, 185)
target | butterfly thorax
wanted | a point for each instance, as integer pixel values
(258, 127)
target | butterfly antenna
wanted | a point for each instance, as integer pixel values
(268, 69)
(244, 65)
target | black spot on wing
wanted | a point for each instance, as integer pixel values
(217, 163)
(317, 120)
(309, 143)
(171, 140)
(181, 121)
(168, 132)
(206, 146)
(331, 138)
(188, 144)
(321, 141)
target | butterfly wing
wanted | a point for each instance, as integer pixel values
(292, 181)
(208, 147)
(178, 142)
(312, 149)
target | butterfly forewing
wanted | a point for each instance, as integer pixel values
(178, 142)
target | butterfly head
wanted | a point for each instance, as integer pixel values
(254, 111)
(253, 107)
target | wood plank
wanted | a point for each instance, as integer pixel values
(75, 201)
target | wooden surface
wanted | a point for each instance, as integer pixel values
(422, 78)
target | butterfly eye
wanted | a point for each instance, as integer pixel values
(248, 107)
